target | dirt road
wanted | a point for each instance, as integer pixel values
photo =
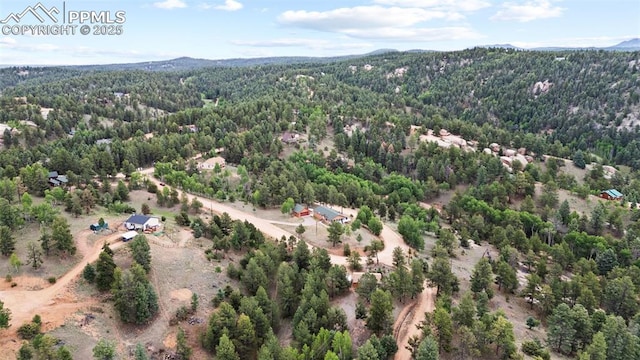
(405, 326)
(53, 303)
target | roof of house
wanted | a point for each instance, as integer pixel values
(54, 181)
(288, 136)
(62, 178)
(138, 219)
(329, 214)
(613, 193)
(53, 174)
(298, 208)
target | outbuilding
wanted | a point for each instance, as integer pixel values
(300, 210)
(129, 235)
(611, 194)
(141, 222)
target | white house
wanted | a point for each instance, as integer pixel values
(141, 222)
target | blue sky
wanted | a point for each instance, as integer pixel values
(221, 29)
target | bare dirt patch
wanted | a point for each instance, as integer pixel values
(181, 295)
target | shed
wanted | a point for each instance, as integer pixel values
(354, 278)
(129, 235)
(611, 194)
(300, 210)
(141, 222)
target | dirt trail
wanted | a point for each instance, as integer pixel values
(55, 302)
(405, 325)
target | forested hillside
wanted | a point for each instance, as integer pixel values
(494, 149)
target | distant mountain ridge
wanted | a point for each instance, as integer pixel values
(628, 45)
(189, 63)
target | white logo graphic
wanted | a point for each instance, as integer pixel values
(34, 10)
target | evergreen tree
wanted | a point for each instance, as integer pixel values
(104, 350)
(428, 349)
(34, 256)
(141, 252)
(61, 236)
(225, 349)
(105, 268)
(183, 350)
(482, 277)
(444, 325)
(379, 319)
(335, 233)
(561, 332)
(7, 242)
(89, 273)
(134, 297)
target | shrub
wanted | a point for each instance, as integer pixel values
(535, 348)
(52, 280)
(218, 269)
(233, 272)
(8, 278)
(14, 284)
(163, 218)
(182, 313)
(28, 330)
(346, 250)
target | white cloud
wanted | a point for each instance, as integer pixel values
(205, 6)
(360, 17)
(528, 11)
(382, 23)
(7, 40)
(230, 5)
(314, 44)
(415, 34)
(451, 5)
(170, 4)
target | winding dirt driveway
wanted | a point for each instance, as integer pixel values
(53, 302)
(25, 304)
(405, 326)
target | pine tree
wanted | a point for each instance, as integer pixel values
(482, 277)
(89, 273)
(428, 349)
(225, 349)
(380, 312)
(7, 242)
(105, 268)
(182, 348)
(141, 252)
(34, 256)
(61, 236)
(561, 332)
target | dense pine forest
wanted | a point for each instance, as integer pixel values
(366, 138)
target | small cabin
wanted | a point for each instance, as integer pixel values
(300, 210)
(611, 194)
